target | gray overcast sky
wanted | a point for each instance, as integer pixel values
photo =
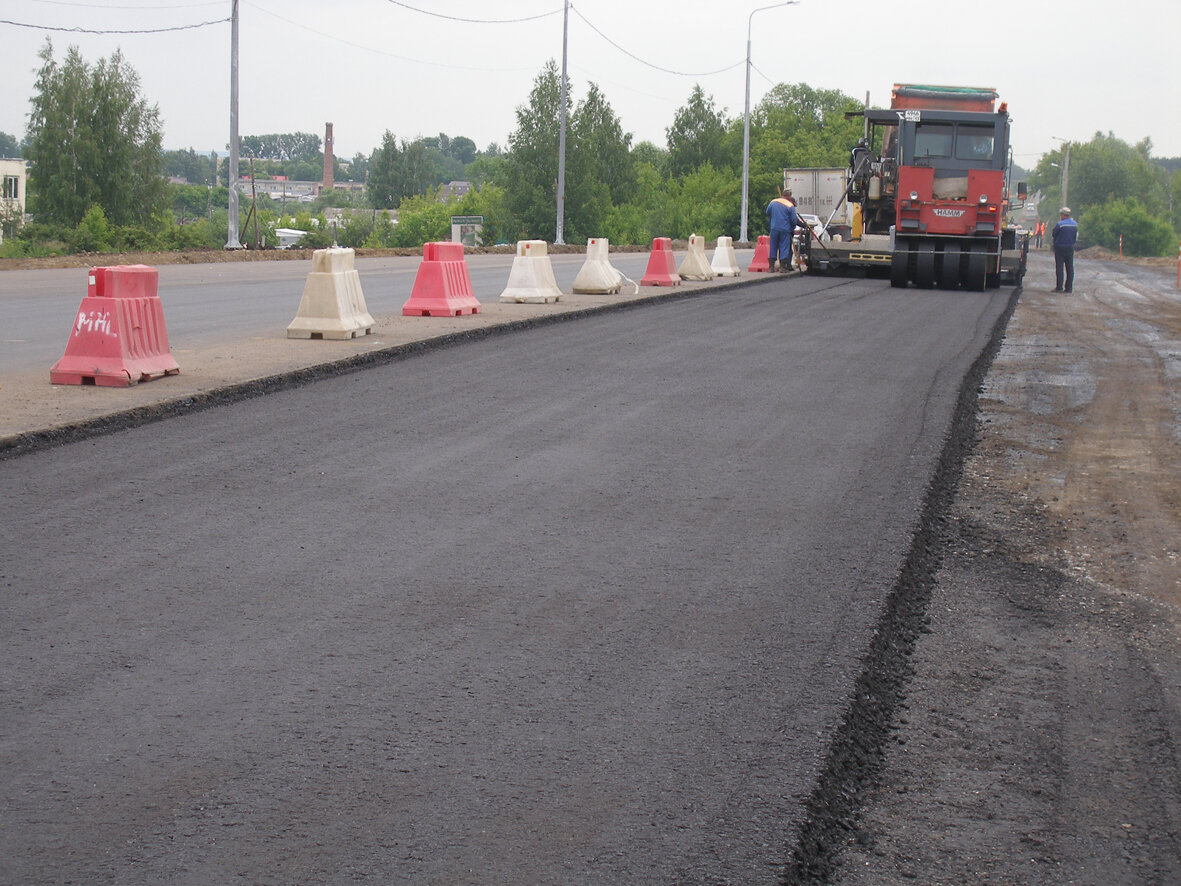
(1066, 69)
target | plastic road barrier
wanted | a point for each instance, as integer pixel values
(118, 338)
(531, 280)
(596, 275)
(725, 262)
(332, 305)
(662, 270)
(442, 287)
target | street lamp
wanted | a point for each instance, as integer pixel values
(746, 119)
(1065, 168)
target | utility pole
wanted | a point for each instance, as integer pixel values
(232, 241)
(746, 121)
(1066, 176)
(1065, 168)
(562, 134)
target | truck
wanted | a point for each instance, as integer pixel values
(930, 185)
(819, 191)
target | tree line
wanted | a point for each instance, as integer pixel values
(1115, 190)
(98, 174)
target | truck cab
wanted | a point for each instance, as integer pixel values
(939, 185)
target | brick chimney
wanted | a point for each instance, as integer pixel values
(326, 184)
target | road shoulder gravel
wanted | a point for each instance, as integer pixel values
(1038, 740)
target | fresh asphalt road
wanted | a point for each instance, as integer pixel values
(578, 604)
(203, 302)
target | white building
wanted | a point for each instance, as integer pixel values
(13, 176)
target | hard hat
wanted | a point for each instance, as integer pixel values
(1065, 210)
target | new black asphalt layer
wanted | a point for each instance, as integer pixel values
(583, 603)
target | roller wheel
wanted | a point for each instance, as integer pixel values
(976, 268)
(949, 268)
(900, 266)
(924, 265)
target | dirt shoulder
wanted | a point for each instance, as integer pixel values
(1040, 737)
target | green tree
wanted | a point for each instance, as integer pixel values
(1101, 170)
(9, 145)
(793, 127)
(93, 141)
(194, 168)
(397, 171)
(530, 172)
(488, 201)
(654, 156)
(281, 146)
(93, 233)
(381, 186)
(600, 141)
(422, 219)
(707, 203)
(1174, 192)
(697, 135)
(529, 175)
(358, 168)
(1143, 233)
(650, 211)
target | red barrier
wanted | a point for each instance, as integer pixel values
(442, 287)
(118, 337)
(662, 269)
(761, 261)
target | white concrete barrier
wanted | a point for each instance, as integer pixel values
(725, 262)
(597, 276)
(333, 305)
(531, 280)
(694, 266)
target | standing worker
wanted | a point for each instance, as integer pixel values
(783, 216)
(1064, 235)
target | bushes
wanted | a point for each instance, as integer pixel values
(1143, 234)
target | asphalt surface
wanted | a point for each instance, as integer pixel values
(583, 603)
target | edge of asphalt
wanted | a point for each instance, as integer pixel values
(857, 752)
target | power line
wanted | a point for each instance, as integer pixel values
(152, 7)
(475, 21)
(319, 33)
(632, 55)
(77, 30)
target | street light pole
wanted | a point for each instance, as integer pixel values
(559, 231)
(746, 121)
(232, 240)
(1065, 169)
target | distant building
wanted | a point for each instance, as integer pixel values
(14, 173)
(454, 189)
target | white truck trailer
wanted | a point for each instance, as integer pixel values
(818, 191)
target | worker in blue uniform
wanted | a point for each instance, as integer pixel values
(1064, 236)
(784, 220)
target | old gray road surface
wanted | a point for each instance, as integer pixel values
(578, 604)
